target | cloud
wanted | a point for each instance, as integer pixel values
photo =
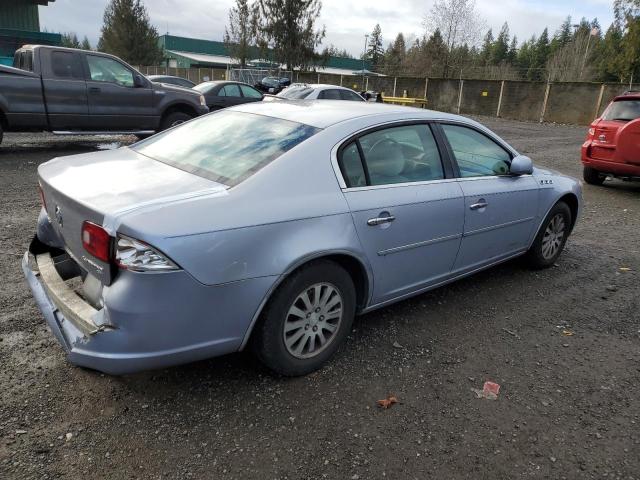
(346, 21)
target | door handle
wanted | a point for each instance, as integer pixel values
(479, 205)
(372, 222)
(94, 90)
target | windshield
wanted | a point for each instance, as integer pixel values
(226, 147)
(623, 110)
(295, 93)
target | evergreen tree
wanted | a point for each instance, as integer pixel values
(70, 40)
(128, 34)
(500, 48)
(512, 54)
(487, 46)
(375, 51)
(290, 26)
(85, 44)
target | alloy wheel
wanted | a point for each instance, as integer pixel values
(553, 237)
(313, 320)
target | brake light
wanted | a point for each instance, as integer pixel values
(592, 132)
(96, 241)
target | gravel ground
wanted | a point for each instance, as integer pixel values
(569, 406)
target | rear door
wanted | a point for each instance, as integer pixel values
(65, 89)
(115, 103)
(500, 210)
(407, 208)
(230, 95)
(250, 94)
(330, 94)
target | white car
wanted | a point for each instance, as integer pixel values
(319, 91)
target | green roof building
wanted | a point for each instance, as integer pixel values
(20, 25)
(184, 52)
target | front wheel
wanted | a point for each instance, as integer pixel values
(551, 237)
(592, 176)
(306, 320)
(174, 118)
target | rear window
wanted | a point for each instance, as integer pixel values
(295, 93)
(226, 147)
(623, 110)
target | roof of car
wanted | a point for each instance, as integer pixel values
(323, 113)
(631, 94)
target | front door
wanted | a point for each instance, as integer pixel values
(408, 214)
(115, 103)
(500, 210)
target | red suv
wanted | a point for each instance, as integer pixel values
(612, 146)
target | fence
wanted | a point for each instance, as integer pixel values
(571, 102)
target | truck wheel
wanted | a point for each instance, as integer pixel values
(174, 118)
(592, 176)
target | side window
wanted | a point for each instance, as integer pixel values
(332, 94)
(351, 166)
(347, 95)
(401, 154)
(66, 65)
(250, 92)
(103, 69)
(476, 154)
(229, 91)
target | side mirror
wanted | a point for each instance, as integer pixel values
(521, 165)
(138, 81)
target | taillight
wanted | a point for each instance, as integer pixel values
(132, 254)
(96, 241)
(592, 132)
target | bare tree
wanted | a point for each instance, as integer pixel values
(459, 23)
(239, 35)
(568, 63)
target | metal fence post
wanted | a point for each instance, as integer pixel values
(395, 80)
(318, 78)
(426, 87)
(500, 99)
(599, 104)
(544, 103)
(460, 96)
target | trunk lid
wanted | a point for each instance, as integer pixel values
(604, 139)
(100, 187)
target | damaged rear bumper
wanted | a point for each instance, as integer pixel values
(146, 321)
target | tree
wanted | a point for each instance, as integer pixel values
(85, 44)
(128, 34)
(290, 26)
(623, 9)
(395, 56)
(458, 22)
(375, 51)
(239, 34)
(70, 40)
(487, 45)
(333, 51)
(501, 46)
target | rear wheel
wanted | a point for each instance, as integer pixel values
(592, 176)
(174, 118)
(551, 237)
(306, 320)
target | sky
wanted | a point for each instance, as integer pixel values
(346, 21)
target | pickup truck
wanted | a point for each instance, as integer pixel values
(69, 92)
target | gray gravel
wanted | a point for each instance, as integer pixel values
(568, 406)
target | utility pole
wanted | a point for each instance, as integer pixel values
(364, 55)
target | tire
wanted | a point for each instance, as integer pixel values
(592, 177)
(278, 349)
(174, 118)
(551, 237)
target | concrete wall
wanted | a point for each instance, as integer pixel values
(577, 103)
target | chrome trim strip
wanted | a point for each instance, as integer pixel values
(410, 246)
(494, 227)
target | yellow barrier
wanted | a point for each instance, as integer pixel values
(413, 102)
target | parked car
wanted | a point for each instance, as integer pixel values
(223, 94)
(272, 225)
(320, 92)
(69, 91)
(612, 146)
(272, 85)
(172, 80)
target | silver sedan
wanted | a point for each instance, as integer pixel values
(271, 226)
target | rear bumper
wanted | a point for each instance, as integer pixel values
(614, 168)
(148, 321)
